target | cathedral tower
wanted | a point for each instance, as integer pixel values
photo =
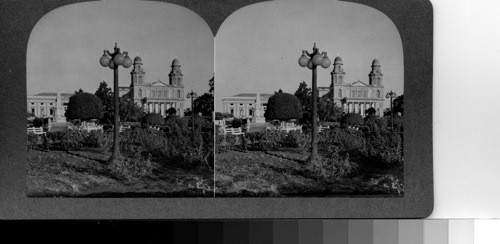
(375, 75)
(337, 76)
(175, 76)
(137, 72)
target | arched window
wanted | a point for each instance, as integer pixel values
(378, 93)
(340, 93)
(139, 93)
(178, 94)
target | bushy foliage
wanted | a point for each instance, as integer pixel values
(84, 106)
(204, 104)
(346, 141)
(133, 168)
(220, 116)
(236, 123)
(283, 106)
(174, 123)
(352, 119)
(33, 141)
(375, 123)
(153, 119)
(187, 149)
(398, 122)
(38, 122)
(328, 111)
(385, 148)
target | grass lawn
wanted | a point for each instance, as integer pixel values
(283, 174)
(86, 174)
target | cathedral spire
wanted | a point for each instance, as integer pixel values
(375, 76)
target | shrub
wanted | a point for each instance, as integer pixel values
(38, 122)
(236, 123)
(84, 106)
(174, 123)
(133, 168)
(153, 119)
(347, 140)
(385, 148)
(352, 119)
(33, 141)
(333, 167)
(283, 106)
(97, 139)
(73, 139)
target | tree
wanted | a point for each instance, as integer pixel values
(398, 104)
(171, 111)
(328, 111)
(188, 112)
(84, 106)
(370, 111)
(204, 104)
(283, 106)
(129, 111)
(304, 94)
(106, 95)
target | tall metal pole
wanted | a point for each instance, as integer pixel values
(192, 112)
(116, 143)
(314, 142)
(392, 116)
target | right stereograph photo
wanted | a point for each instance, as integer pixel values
(309, 102)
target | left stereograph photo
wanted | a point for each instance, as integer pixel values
(120, 102)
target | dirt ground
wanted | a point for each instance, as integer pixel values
(284, 174)
(63, 174)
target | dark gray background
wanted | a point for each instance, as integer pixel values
(414, 20)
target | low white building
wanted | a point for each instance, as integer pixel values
(243, 105)
(43, 105)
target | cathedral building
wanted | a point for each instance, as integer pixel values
(154, 97)
(159, 96)
(355, 97)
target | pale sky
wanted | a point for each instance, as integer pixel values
(258, 46)
(66, 44)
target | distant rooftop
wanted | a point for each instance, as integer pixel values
(253, 95)
(53, 94)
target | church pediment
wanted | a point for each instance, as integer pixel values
(158, 83)
(359, 83)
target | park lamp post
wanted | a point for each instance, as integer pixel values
(113, 60)
(193, 96)
(312, 61)
(391, 95)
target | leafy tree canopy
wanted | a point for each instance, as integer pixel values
(283, 106)
(204, 104)
(84, 106)
(153, 119)
(352, 119)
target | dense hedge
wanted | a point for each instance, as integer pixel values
(352, 119)
(84, 106)
(283, 106)
(153, 119)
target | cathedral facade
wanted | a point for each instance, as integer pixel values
(159, 96)
(355, 97)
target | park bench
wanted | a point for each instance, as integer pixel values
(36, 131)
(233, 131)
(322, 128)
(123, 128)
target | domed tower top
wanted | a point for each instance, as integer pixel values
(338, 60)
(376, 75)
(176, 62)
(175, 76)
(137, 60)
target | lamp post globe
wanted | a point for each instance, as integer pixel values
(127, 62)
(104, 60)
(111, 64)
(303, 60)
(118, 59)
(317, 59)
(326, 62)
